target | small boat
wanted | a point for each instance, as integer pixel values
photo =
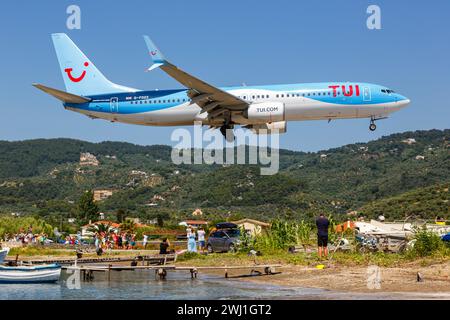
(3, 254)
(44, 273)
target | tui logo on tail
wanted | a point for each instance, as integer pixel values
(74, 79)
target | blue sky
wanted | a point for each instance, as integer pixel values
(229, 43)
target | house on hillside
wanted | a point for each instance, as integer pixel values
(102, 194)
(194, 223)
(409, 141)
(88, 159)
(254, 227)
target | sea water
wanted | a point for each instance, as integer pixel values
(141, 285)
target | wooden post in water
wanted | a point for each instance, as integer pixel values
(194, 273)
(109, 272)
(162, 273)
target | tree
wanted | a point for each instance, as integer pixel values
(87, 208)
(160, 220)
(128, 226)
(161, 217)
(101, 227)
(120, 215)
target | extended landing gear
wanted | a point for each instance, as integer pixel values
(227, 132)
(372, 126)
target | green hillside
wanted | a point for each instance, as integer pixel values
(425, 203)
(44, 177)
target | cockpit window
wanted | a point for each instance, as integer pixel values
(389, 91)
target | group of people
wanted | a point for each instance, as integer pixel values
(27, 237)
(194, 236)
(113, 240)
(196, 241)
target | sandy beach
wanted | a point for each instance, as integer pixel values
(435, 283)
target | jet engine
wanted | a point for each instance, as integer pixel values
(265, 112)
(269, 128)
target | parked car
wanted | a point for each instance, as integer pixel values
(181, 237)
(224, 240)
(226, 225)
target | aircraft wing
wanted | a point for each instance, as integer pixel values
(216, 102)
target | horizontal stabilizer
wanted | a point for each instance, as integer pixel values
(62, 95)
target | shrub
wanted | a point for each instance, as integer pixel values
(426, 243)
(13, 225)
(283, 234)
(189, 256)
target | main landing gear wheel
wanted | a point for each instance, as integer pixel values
(227, 129)
(372, 126)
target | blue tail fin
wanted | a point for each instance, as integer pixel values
(80, 75)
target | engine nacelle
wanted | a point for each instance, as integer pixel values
(270, 128)
(266, 112)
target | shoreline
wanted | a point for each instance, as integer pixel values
(397, 281)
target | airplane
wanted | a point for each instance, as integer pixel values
(264, 109)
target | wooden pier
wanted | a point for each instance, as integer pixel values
(161, 271)
(159, 259)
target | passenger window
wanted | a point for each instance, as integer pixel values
(277, 95)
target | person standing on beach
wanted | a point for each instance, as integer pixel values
(164, 246)
(322, 224)
(145, 241)
(192, 244)
(201, 238)
(119, 241)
